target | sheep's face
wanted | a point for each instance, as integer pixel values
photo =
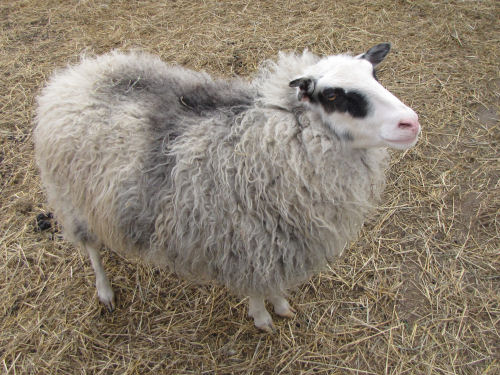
(346, 93)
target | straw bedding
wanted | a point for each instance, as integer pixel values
(418, 292)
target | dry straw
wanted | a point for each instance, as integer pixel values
(418, 293)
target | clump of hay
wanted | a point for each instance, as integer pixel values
(417, 293)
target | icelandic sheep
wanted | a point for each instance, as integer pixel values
(255, 185)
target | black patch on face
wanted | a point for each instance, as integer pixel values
(338, 100)
(374, 74)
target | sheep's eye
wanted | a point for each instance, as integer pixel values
(330, 95)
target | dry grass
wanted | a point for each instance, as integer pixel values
(417, 294)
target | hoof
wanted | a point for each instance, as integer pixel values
(107, 298)
(261, 317)
(283, 308)
(288, 312)
(266, 325)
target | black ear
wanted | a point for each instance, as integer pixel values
(306, 87)
(376, 54)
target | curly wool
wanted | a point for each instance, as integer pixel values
(217, 180)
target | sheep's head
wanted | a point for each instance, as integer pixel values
(345, 91)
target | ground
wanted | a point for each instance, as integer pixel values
(418, 293)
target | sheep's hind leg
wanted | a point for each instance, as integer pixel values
(257, 311)
(104, 290)
(281, 306)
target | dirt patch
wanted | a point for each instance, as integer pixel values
(470, 207)
(488, 116)
(411, 304)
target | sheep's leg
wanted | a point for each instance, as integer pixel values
(257, 311)
(281, 306)
(104, 290)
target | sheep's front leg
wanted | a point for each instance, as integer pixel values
(257, 311)
(282, 307)
(104, 290)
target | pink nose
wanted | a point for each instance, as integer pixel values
(412, 125)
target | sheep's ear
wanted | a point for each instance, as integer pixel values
(306, 87)
(376, 54)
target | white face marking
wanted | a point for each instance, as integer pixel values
(387, 123)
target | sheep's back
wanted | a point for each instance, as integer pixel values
(103, 135)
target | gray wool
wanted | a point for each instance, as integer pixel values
(222, 180)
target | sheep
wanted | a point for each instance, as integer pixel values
(256, 185)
